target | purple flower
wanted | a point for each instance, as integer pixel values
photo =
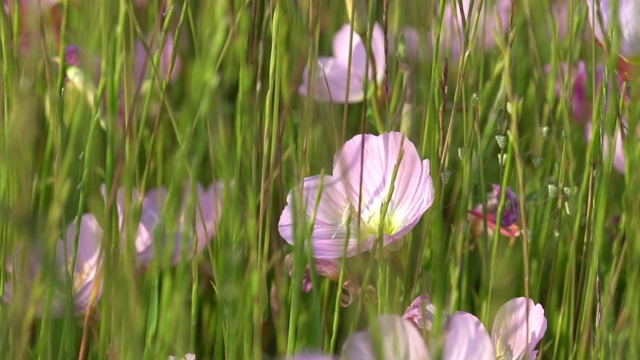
(87, 284)
(332, 73)
(352, 216)
(508, 226)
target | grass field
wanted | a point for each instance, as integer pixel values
(192, 177)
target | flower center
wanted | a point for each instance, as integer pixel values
(503, 351)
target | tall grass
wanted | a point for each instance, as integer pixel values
(234, 115)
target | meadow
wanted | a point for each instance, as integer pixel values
(308, 179)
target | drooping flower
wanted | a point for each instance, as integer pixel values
(330, 269)
(517, 329)
(508, 226)
(390, 201)
(601, 17)
(87, 285)
(196, 221)
(421, 312)
(331, 75)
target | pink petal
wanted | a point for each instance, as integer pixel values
(358, 52)
(466, 338)
(413, 193)
(87, 260)
(510, 331)
(397, 339)
(330, 229)
(330, 83)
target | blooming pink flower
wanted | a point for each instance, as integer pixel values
(508, 226)
(514, 336)
(514, 333)
(199, 219)
(332, 73)
(87, 285)
(350, 215)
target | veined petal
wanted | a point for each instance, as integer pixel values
(466, 338)
(334, 217)
(397, 339)
(515, 333)
(330, 83)
(375, 163)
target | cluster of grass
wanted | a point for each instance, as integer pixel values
(234, 115)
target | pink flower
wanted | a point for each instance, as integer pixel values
(393, 336)
(331, 74)
(508, 226)
(514, 333)
(87, 285)
(495, 23)
(619, 159)
(514, 336)
(143, 60)
(580, 100)
(628, 15)
(198, 218)
(351, 216)
(601, 17)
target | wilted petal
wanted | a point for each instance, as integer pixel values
(513, 333)
(421, 312)
(508, 225)
(395, 337)
(466, 338)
